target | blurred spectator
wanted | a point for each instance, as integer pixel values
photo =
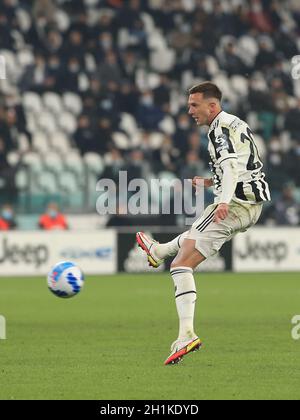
(88, 139)
(292, 122)
(103, 138)
(241, 23)
(259, 98)
(35, 76)
(232, 63)
(136, 166)
(183, 129)
(129, 65)
(6, 140)
(53, 43)
(199, 66)
(115, 164)
(129, 13)
(12, 125)
(167, 157)
(259, 18)
(84, 135)
(13, 122)
(285, 210)
(285, 42)
(74, 47)
(164, 16)
(7, 218)
(70, 78)
(195, 145)
(162, 93)
(53, 219)
(7, 175)
(105, 24)
(222, 20)
(7, 41)
(292, 163)
(275, 165)
(9, 9)
(16, 118)
(148, 114)
(138, 38)
(44, 9)
(108, 106)
(109, 70)
(279, 96)
(278, 71)
(192, 166)
(105, 44)
(266, 57)
(92, 98)
(146, 146)
(54, 79)
(127, 98)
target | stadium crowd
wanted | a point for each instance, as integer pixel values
(131, 63)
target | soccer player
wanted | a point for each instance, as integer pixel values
(240, 189)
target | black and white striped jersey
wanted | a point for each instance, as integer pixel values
(231, 138)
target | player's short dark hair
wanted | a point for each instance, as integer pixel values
(209, 90)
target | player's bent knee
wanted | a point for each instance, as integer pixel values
(191, 260)
(179, 263)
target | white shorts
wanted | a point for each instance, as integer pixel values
(211, 236)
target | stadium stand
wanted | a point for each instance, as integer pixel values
(91, 81)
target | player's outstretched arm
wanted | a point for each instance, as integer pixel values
(200, 181)
(221, 212)
(229, 182)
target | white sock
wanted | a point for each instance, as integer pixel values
(163, 251)
(185, 296)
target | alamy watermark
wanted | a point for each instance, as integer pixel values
(296, 328)
(153, 197)
(2, 328)
(2, 68)
(296, 67)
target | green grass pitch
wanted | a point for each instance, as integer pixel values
(110, 342)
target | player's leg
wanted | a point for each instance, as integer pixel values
(191, 254)
(188, 255)
(205, 239)
(157, 252)
(182, 271)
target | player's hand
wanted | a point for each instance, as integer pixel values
(199, 180)
(221, 212)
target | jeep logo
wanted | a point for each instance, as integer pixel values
(274, 251)
(29, 254)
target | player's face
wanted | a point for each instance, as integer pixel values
(199, 108)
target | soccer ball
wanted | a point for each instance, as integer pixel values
(65, 279)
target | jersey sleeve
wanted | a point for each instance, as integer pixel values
(222, 139)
